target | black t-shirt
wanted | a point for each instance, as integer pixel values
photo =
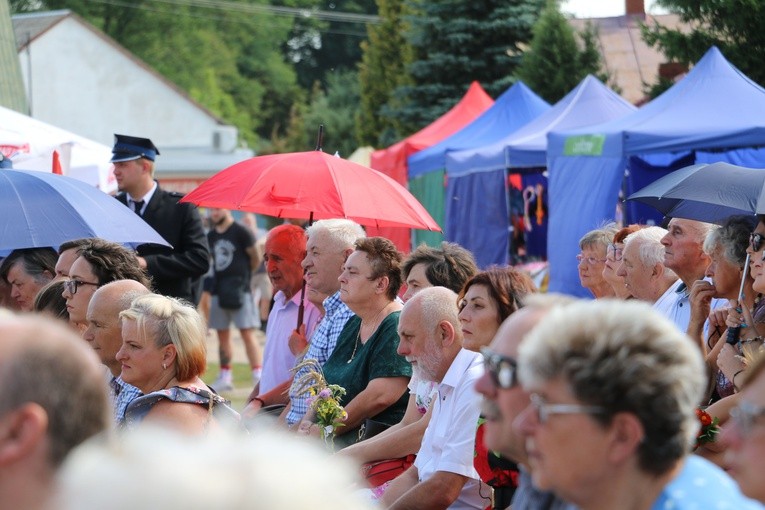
(229, 251)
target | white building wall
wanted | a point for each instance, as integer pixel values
(82, 83)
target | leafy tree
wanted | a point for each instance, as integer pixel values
(456, 42)
(382, 69)
(335, 108)
(556, 62)
(734, 26)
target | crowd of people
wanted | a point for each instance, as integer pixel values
(461, 388)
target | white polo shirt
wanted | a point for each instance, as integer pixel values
(449, 441)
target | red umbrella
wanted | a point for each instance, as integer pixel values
(313, 185)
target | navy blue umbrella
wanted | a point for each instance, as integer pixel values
(40, 209)
(706, 192)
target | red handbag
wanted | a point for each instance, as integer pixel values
(381, 471)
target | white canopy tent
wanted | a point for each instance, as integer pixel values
(30, 144)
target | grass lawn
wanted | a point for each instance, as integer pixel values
(242, 383)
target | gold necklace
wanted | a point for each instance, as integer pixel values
(358, 337)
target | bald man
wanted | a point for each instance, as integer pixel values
(104, 334)
(53, 399)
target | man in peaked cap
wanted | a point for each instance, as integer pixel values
(175, 271)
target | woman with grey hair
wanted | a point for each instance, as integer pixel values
(614, 387)
(592, 260)
(726, 247)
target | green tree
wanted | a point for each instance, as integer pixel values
(456, 42)
(334, 107)
(382, 69)
(734, 26)
(556, 62)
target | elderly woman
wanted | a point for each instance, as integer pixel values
(365, 361)
(744, 434)
(98, 262)
(486, 300)
(614, 387)
(26, 272)
(727, 249)
(614, 260)
(163, 354)
(592, 259)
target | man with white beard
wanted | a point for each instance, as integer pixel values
(443, 475)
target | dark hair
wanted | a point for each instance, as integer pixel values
(449, 266)
(507, 287)
(385, 260)
(75, 244)
(111, 261)
(36, 261)
(50, 299)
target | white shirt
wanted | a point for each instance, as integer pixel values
(675, 305)
(278, 360)
(449, 441)
(146, 198)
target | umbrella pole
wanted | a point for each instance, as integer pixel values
(320, 138)
(301, 306)
(733, 333)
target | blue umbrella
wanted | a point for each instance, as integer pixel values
(40, 209)
(706, 192)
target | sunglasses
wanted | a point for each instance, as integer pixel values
(755, 241)
(72, 285)
(503, 370)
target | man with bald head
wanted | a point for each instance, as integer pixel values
(104, 334)
(53, 399)
(443, 474)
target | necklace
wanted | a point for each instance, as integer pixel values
(358, 336)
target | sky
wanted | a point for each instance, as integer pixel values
(602, 8)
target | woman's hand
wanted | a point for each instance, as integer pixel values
(700, 296)
(729, 362)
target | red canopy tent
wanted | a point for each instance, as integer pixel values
(393, 160)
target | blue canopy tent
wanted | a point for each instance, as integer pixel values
(513, 109)
(474, 175)
(715, 108)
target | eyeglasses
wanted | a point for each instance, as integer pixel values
(745, 415)
(72, 285)
(503, 370)
(545, 410)
(615, 252)
(590, 260)
(755, 241)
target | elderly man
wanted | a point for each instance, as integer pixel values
(614, 388)
(26, 271)
(175, 271)
(645, 275)
(449, 266)
(684, 254)
(504, 399)
(329, 242)
(53, 399)
(285, 250)
(443, 474)
(104, 334)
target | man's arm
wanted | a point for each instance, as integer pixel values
(401, 439)
(436, 493)
(191, 256)
(252, 252)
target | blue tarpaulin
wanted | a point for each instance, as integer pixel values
(714, 108)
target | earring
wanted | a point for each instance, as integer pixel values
(164, 366)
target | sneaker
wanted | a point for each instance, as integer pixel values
(222, 384)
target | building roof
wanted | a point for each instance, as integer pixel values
(630, 62)
(28, 27)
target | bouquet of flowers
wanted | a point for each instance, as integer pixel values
(709, 428)
(323, 401)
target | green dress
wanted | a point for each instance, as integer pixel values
(375, 358)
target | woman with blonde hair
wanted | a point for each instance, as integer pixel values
(163, 354)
